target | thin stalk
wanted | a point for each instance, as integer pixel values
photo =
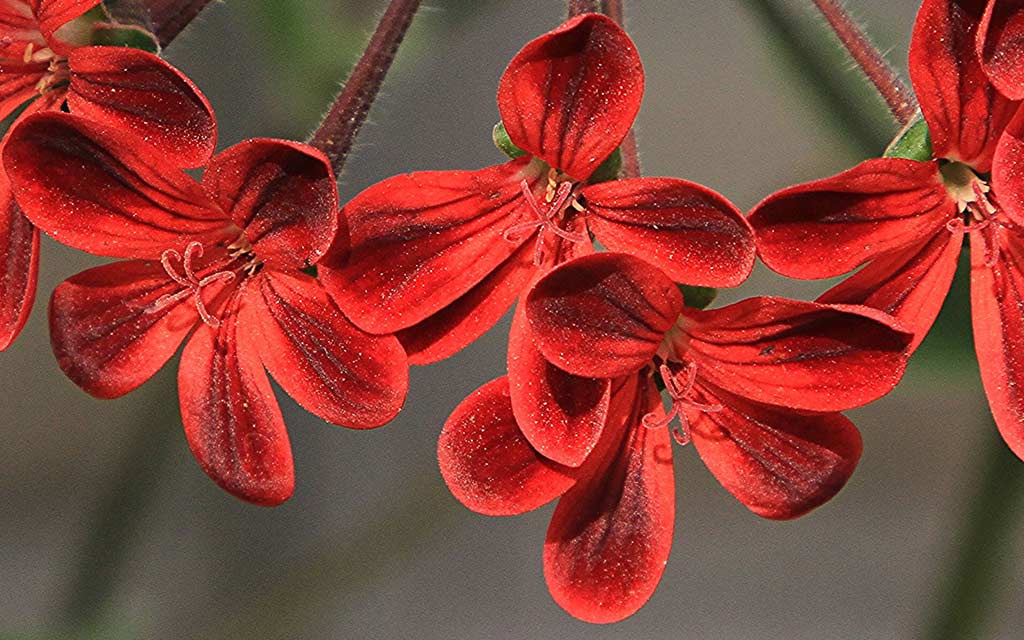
(630, 154)
(577, 7)
(338, 129)
(897, 96)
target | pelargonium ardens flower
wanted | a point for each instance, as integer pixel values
(907, 219)
(47, 62)
(221, 260)
(756, 386)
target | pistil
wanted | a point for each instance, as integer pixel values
(192, 284)
(557, 198)
(679, 386)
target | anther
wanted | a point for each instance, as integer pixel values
(192, 283)
(679, 385)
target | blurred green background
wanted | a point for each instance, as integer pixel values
(110, 530)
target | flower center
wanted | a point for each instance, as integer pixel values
(57, 74)
(679, 385)
(975, 209)
(558, 199)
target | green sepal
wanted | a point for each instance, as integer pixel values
(697, 297)
(504, 143)
(913, 143)
(106, 34)
(608, 170)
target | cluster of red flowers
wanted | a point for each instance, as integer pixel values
(599, 267)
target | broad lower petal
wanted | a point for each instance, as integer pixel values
(18, 85)
(910, 284)
(333, 369)
(107, 330)
(997, 297)
(91, 187)
(420, 241)
(780, 464)
(965, 113)
(19, 266)
(602, 316)
(137, 92)
(610, 536)
(282, 194)
(488, 464)
(688, 231)
(561, 415)
(828, 227)
(570, 96)
(232, 421)
(796, 354)
(1008, 171)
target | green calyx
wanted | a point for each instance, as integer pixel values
(697, 297)
(122, 35)
(504, 143)
(608, 170)
(913, 143)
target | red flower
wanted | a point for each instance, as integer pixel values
(907, 219)
(44, 58)
(440, 256)
(756, 386)
(222, 258)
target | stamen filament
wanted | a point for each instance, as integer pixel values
(679, 385)
(193, 284)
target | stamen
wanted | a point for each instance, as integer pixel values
(193, 284)
(679, 386)
(546, 220)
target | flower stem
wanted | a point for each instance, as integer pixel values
(338, 129)
(630, 154)
(577, 7)
(897, 96)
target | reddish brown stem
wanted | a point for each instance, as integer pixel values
(338, 129)
(576, 7)
(897, 96)
(630, 155)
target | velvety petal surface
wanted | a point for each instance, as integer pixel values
(610, 536)
(694, 235)
(827, 227)
(333, 369)
(1008, 171)
(232, 421)
(965, 113)
(1001, 46)
(93, 188)
(802, 355)
(137, 92)
(18, 85)
(19, 266)
(910, 283)
(561, 415)
(602, 316)
(570, 96)
(997, 297)
(780, 464)
(488, 464)
(420, 241)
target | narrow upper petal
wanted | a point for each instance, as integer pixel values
(997, 297)
(136, 91)
(610, 536)
(232, 421)
(602, 316)
(19, 266)
(93, 188)
(1000, 44)
(570, 96)
(418, 242)
(688, 231)
(802, 355)
(827, 227)
(107, 330)
(488, 464)
(51, 15)
(19, 25)
(18, 85)
(561, 415)
(965, 113)
(282, 194)
(780, 464)
(329, 366)
(910, 284)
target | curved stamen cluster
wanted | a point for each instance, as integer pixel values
(58, 72)
(977, 214)
(558, 197)
(193, 284)
(679, 385)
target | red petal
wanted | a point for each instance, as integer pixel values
(18, 23)
(137, 92)
(828, 227)
(797, 354)
(233, 424)
(910, 284)
(1000, 44)
(997, 296)
(283, 194)
(688, 231)
(463, 321)
(780, 464)
(602, 316)
(487, 463)
(422, 240)
(106, 333)
(562, 415)
(611, 533)
(93, 188)
(1008, 171)
(18, 85)
(54, 14)
(19, 266)
(570, 96)
(330, 367)
(965, 113)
